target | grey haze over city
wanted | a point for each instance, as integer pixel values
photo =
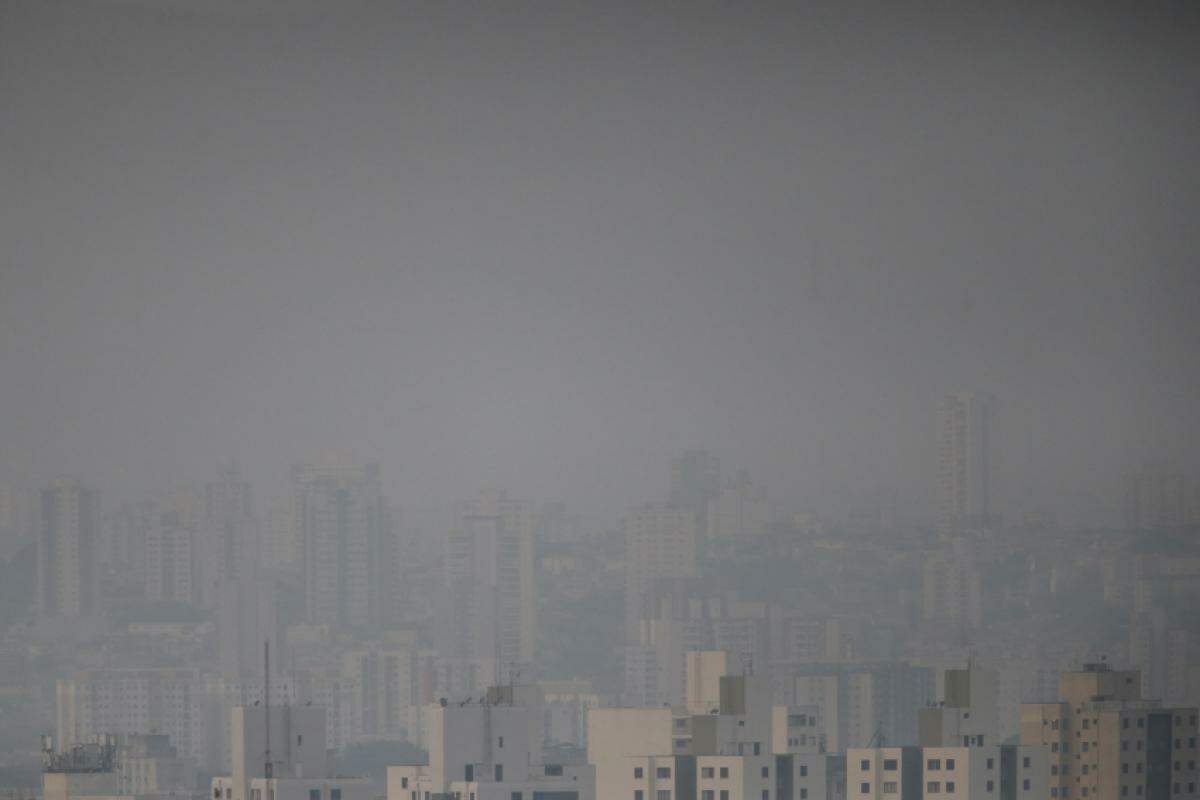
(599, 401)
(544, 245)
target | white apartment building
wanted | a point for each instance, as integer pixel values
(987, 772)
(489, 750)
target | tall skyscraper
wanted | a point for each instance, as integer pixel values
(171, 568)
(660, 542)
(348, 542)
(228, 536)
(695, 480)
(965, 461)
(66, 550)
(479, 630)
(519, 516)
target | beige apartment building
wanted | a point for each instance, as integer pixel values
(1106, 742)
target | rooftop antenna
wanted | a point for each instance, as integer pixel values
(268, 769)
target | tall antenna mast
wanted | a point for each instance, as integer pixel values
(268, 768)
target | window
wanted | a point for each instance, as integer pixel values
(638, 794)
(662, 772)
(1141, 722)
(335, 794)
(708, 794)
(1054, 769)
(1083, 792)
(1084, 771)
(757, 747)
(724, 773)
(315, 794)
(1124, 791)
(949, 763)
(638, 773)
(865, 765)
(991, 763)
(706, 772)
(516, 796)
(1125, 723)
(804, 770)
(1085, 748)
(404, 783)
(663, 794)
(864, 788)
(991, 785)
(1025, 762)
(803, 794)
(1026, 784)
(933, 787)
(499, 773)
(1125, 746)
(889, 787)
(1085, 724)
(1054, 791)
(933, 764)
(766, 772)
(724, 794)
(949, 786)
(766, 794)
(501, 741)
(889, 764)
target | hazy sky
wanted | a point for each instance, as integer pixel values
(544, 246)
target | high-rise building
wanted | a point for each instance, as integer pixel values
(67, 550)
(861, 702)
(1108, 743)
(280, 546)
(521, 517)
(490, 748)
(951, 589)
(1154, 498)
(228, 536)
(478, 633)
(16, 513)
(685, 616)
(171, 565)
(982, 772)
(738, 509)
(967, 715)
(383, 680)
(660, 542)
(247, 616)
(695, 480)
(729, 741)
(349, 560)
(132, 701)
(965, 461)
